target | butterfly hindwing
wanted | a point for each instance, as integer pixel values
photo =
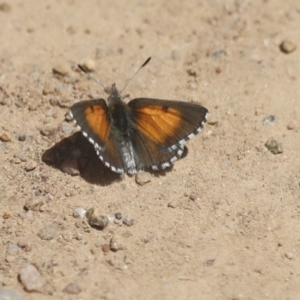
(111, 155)
(150, 154)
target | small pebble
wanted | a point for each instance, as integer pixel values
(21, 156)
(89, 65)
(92, 212)
(128, 260)
(194, 197)
(70, 167)
(118, 216)
(48, 88)
(5, 137)
(71, 30)
(47, 130)
(146, 240)
(95, 219)
(111, 218)
(50, 113)
(212, 122)
(100, 222)
(16, 161)
(24, 246)
(258, 111)
(105, 248)
(72, 288)
(218, 70)
(174, 203)
(9, 294)
(34, 204)
(292, 125)
(30, 29)
(2, 146)
(31, 278)
(115, 243)
(219, 53)
(4, 7)
(49, 231)
(111, 262)
(192, 85)
(12, 253)
(4, 97)
(287, 46)
(274, 146)
(79, 213)
(128, 221)
(289, 255)
(62, 69)
(66, 128)
(68, 117)
(63, 99)
(142, 178)
(30, 166)
(191, 73)
(269, 120)
(6, 215)
(118, 222)
(22, 138)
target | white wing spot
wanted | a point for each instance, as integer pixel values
(182, 142)
(173, 147)
(174, 158)
(180, 151)
(191, 135)
(165, 165)
(206, 118)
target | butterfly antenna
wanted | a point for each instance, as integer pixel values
(91, 76)
(133, 76)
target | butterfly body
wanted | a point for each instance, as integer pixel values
(145, 133)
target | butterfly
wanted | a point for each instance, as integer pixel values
(145, 133)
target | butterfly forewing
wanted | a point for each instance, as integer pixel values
(93, 119)
(168, 123)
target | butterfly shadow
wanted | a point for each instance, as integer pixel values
(75, 155)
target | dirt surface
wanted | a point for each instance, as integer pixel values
(223, 223)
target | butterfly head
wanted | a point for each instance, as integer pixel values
(114, 95)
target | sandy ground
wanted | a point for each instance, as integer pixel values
(233, 230)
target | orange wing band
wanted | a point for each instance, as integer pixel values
(97, 119)
(158, 122)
